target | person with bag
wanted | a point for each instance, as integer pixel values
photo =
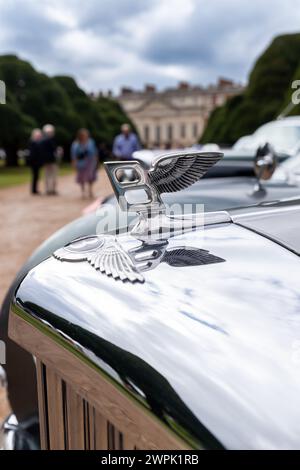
(85, 158)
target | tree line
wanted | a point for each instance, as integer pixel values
(268, 93)
(34, 99)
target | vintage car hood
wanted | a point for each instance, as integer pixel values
(217, 194)
(279, 222)
(213, 349)
(229, 193)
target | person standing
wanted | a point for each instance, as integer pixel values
(49, 152)
(35, 159)
(85, 158)
(125, 143)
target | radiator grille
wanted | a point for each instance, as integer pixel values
(79, 408)
(71, 423)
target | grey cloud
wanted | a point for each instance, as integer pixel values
(107, 15)
(27, 30)
(220, 37)
(203, 40)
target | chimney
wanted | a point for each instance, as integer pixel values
(126, 90)
(150, 88)
(183, 85)
(224, 82)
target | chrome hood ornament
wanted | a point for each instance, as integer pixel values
(167, 174)
(265, 163)
(138, 190)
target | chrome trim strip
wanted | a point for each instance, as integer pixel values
(263, 213)
(221, 217)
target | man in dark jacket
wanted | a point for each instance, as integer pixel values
(35, 158)
(49, 152)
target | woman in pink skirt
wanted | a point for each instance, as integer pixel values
(84, 158)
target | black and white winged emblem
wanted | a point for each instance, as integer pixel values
(147, 257)
(167, 174)
(173, 173)
(189, 256)
(105, 254)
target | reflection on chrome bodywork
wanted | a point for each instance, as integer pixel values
(109, 255)
(105, 254)
(147, 256)
(207, 349)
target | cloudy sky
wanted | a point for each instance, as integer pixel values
(106, 44)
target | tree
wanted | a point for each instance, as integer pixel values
(266, 96)
(34, 99)
(15, 128)
(103, 116)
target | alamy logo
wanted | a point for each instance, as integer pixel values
(2, 353)
(2, 92)
(296, 94)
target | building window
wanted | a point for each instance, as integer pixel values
(170, 133)
(157, 135)
(146, 133)
(195, 130)
(182, 131)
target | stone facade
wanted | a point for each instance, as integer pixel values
(176, 116)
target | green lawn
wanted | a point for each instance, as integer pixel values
(21, 174)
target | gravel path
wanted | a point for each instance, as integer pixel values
(26, 221)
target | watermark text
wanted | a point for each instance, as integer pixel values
(2, 353)
(2, 92)
(296, 94)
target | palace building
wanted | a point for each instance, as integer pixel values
(174, 117)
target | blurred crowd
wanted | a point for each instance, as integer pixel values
(44, 153)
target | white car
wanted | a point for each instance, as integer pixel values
(283, 135)
(289, 170)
